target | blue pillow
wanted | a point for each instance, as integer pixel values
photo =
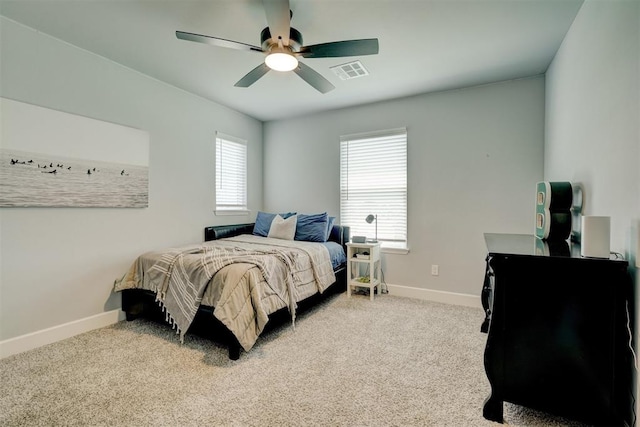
(312, 228)
(264, 220)
(330, 222)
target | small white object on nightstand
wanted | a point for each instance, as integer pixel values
(363, 267)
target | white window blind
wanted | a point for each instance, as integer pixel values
(373, 180)
(231, 173)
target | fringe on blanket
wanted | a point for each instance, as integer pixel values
(168, 318)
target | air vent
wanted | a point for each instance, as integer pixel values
(350, 70)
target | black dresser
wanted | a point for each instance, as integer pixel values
(556, 329)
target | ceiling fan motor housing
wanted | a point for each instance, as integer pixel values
(295, 39)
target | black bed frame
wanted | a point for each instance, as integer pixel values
(142, 303)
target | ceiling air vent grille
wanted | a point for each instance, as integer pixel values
(350, 70)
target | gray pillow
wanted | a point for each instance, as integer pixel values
(283, 228)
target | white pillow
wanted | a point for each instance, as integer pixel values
(283, 228)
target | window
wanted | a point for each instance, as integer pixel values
(231, 174)
(373, 180)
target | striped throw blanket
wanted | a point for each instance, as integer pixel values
(180, 277)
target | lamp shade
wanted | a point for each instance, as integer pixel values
(281, 60)
(370, 218)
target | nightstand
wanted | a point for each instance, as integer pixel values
(363, 267)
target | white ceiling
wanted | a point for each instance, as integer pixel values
(425, 45)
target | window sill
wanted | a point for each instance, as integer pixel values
(391, 248)
(232, 212)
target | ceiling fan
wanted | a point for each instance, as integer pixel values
(282, 44)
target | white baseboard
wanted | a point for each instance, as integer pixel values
(67, 330)
(57, 333)
(437, 296)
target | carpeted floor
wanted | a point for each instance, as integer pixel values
(350, 362)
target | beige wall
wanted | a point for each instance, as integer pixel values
(474, 157)
(592, 133)
(58, 264)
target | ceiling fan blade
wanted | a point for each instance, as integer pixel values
(278, 19)
(313, 78)
(216, 41)
(342, 48)
(253, 76)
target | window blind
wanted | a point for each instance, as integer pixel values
(373, 180)
(231, 173)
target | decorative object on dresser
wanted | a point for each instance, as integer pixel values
(554, 202)
(596, 236)
(576, 212)
(240, 277)
(556, 325)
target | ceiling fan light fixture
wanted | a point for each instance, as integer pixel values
(282, 45)
(281, 60)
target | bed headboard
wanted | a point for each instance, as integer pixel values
(220, 231)
(339, 233)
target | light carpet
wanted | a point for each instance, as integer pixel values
(349, 362)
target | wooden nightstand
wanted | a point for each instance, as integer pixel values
(363, 267)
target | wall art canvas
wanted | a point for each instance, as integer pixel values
(49, 158)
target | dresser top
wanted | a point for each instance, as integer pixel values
(530, 245)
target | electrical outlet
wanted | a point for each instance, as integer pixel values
(434, 270)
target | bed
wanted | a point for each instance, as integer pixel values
(235, 282)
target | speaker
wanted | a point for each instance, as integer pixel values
(553, 225)
(596, 233)
(554, 201)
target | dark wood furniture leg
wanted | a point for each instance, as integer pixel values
(234, 351)
(493, 409)
(132, 305)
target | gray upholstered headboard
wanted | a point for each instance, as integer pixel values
(339, 233)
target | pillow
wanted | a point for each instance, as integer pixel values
(312, 228)
(263, 222)
(283, 228)
(331, 220)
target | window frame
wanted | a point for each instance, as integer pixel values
(240, 208)
(395, 245)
